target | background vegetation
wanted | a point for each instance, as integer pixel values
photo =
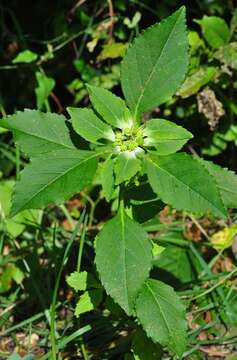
(48, 52)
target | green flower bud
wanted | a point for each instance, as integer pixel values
(132, 145)
(127, 131)
(119, 136)
(123, 147)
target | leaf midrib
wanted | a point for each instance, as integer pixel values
(188, 186)
(123, 170)
(111, 112)
(124, 256)
(101, 127)
(154, 68)
(55, 179)
(160, 309)
(63, 145)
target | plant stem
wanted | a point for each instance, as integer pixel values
(222, 281)
(17, 162)
(67, 215)
(55, 293)
(82, 242)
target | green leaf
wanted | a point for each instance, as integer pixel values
(195, 42)
(53, 178)
(184, 183)
(166, 136)
(89, 126)
(229, 308)
(157, 249)
(39, 133)
(88, 301)
(162, 315)
(44, 88)
(131, 24)
(156, 63)
(176, 261)
(107, 178)
(81, 281)
(126, 166)
(143, 201)
(145, 349)
(17, 224)
(146, 211)
(25, 56)
(215, 30)
(112, 51)
(122, 250)
(226, 181)
(110, 107)
(196, 80)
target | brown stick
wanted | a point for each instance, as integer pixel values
(57, 102)
(111, 14)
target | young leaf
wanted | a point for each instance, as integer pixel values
(25, 56)
(107, 178)
(162, 315)
(215, 30)
(78, 280)
(156, 63)
(123, 259)
(110, 107)
(112, 51)
(166, 136)
(89, 126)
(44, 88)
(81, 281)
(39, 133)
(126, 166)
(88, 301)
(184, 183)
(53, 178)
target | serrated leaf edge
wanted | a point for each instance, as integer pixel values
(196, 212)
(13, 213)
(162, 22)
(135, 297)
(181, 310)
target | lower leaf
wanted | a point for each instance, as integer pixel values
(144, 348)
(162, 315)
(123, 259)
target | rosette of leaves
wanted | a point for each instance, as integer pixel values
(130, 153)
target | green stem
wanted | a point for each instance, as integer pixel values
(82, 242)
(222, 281)
(55, 293)
(67, 215)
(18, 162)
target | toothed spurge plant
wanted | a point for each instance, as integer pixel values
(132, 155)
